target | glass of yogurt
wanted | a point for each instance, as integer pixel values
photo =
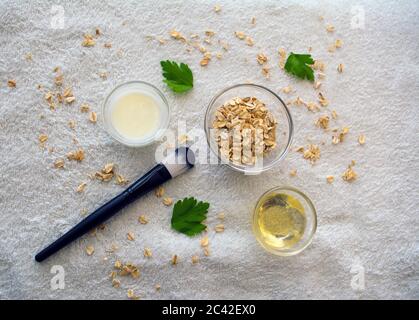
(136, 113)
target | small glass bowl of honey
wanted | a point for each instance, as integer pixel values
(284, 221)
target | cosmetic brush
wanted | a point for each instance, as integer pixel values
(177, 162)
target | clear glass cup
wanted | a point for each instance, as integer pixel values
(284, 128)
(140, 87)
(309, 228)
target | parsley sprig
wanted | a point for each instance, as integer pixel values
(188, 215)
(177, 76)
(300, 65)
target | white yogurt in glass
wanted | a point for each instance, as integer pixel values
(136, 113)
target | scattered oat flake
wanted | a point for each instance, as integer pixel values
(68, 92)
(77, 155)
(221, 216)
(349, 175)
(323, 100)
(293, 172)
(59, 163)
(116, 283)
(338, 43)
(11, 83)
(217, 8)
(330, 179)
(317, 85)
(60, 98)
(361, 139)
(129, 269)
(323, 122)
(106, 174)
(118, 264)
(131, 294)
(142, 219)
(298, 101)
(287, 89)
(265, 72)
(334, 114)
(204, 242)
(206, 252)
(159, 192)
(311, 106)
(249, 41)
(253, 20)
(174, 260)
(108, 45)
(177, 35)
(282, 58)
(282, 53)
(81, 187)
(158, 287)
(202, 49)
(93, 117)
(341, 135)
(312, 153)
(84, 107)
(58, 80)
(42, 138)
(195, 259)
(219, 228)
(147, 253)
(340, 67)
(48, 96)
(240, 35)
(90, 250)
(319, 65)
(204, 62)
(130, 236)
(262, 58)
(330, 28)
(167, 201)
(72, 124)
(209, 33)
(183, 138)
(331, 48)
(70, 99)
(108, 168)
(88, 41)
(120, 180)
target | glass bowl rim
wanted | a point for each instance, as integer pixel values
(159, 132)
(313, 212)
(281, 156)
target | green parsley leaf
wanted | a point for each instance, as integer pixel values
(179, 77)
(299, 65)
(188, 215)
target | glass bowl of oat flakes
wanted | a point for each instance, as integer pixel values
(248, 127)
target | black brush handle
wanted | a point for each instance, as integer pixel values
(153, 178)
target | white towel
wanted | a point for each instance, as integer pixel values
(366, 245)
